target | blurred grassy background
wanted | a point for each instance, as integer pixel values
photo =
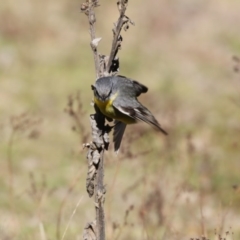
(181, 186)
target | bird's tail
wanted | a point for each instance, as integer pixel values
(143, 114)
(118, 132)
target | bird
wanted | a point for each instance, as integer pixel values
(116, 98)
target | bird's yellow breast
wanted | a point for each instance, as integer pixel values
(106, 107)
(108, 110)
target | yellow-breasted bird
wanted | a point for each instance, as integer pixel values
(116, 98)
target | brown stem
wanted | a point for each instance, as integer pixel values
(116, 34)
(59, 215)
(99, 198)
(92, 21)
(100, 220)
(95, 156)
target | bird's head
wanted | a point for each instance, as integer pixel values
(102, 89)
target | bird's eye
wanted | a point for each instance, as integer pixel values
(96, 92)
(110, 91)
(109, 94)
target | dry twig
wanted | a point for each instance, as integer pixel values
(23, 124)
(104, 66)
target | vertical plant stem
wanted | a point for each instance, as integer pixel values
(100, 216)
(92, 20)
(99, 180)
(100, 142)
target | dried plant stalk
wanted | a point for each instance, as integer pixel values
(104, 65)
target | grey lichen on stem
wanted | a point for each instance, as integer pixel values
(104, 66)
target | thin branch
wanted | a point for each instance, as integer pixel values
(96, 149)
(99, 199)
(92, 21)
(42, 231)
(117, 38)
(104, 65)
(64, 201)
(88, 8)
(73, 213)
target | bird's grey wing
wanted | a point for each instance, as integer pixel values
(118, 132)
(143, 114)
(138, 87)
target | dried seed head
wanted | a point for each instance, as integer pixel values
(84, 7)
